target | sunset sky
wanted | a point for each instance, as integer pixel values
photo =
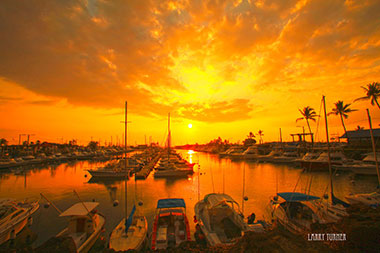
(226, 67)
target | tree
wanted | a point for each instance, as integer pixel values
(260, 133)
(342, 110)
(250, 140)
(308, 113)
(3, 142)
(92, 145)
(358, 128)
(372, 92)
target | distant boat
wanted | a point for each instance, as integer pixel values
(84, 226)
(221, 220)
(171, 226)
(14, 216)
(371, 199)
(111, 170)
(172, 165)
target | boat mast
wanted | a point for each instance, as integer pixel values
(169, 136)
(328, 149)
(126, 161)
(373, 147)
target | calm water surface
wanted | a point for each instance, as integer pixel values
(216, 175)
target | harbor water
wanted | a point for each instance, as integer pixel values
(258, 181)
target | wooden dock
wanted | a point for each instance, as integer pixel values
(144, 172)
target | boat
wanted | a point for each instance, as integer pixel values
(172, 166)
(14, 216)
(231, 150)
(250, 153)
(371, 199)
(85, 225)
(367, 167)
(220, 219)
(171, 226)
(287, 157)
(296, 211)
(111, 170)
(322, 162)
(131, 232)
(271, 156)
(299, 211)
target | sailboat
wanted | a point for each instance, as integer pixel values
(171, 166)
(371, 199)
(298, 211)
(132, 230)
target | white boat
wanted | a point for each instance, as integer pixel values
(322, 162)
(14, 216)
(369, 199)
(250, 153)
(84, 226)
(220, 219)
(367, 167)
(171, 226)
(286, 157)
(270, 157)
(296, 212)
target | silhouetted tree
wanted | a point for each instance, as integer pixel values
(261, 134)
(250, 140)
(372, 92)
(308, 113)
(342, 110)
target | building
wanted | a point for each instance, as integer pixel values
(362, 137)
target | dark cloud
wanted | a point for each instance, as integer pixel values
(101, 53)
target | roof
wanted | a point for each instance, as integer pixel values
(168, 203)
(362, 133)
(214, 199)
(79, 210)
(296, 196)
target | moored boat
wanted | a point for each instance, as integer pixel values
(296, 212)
(14, 216)
(85, 225)
(220, 219)
(171, 226)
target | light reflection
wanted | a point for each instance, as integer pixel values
(190, 152)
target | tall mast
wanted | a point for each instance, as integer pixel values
(169, 136)
(328, 149)
(126, 160)
(373, 147)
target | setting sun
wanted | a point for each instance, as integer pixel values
(190, 125)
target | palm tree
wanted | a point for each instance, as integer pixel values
(373, 92)
(358, 128)
(342, 110)
(260, 133)
(308, 113)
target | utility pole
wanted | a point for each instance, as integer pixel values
(19, 138)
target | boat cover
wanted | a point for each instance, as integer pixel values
(79, 210)
(296, 196)
(128, 222)
(214, 199)
(168, 203)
